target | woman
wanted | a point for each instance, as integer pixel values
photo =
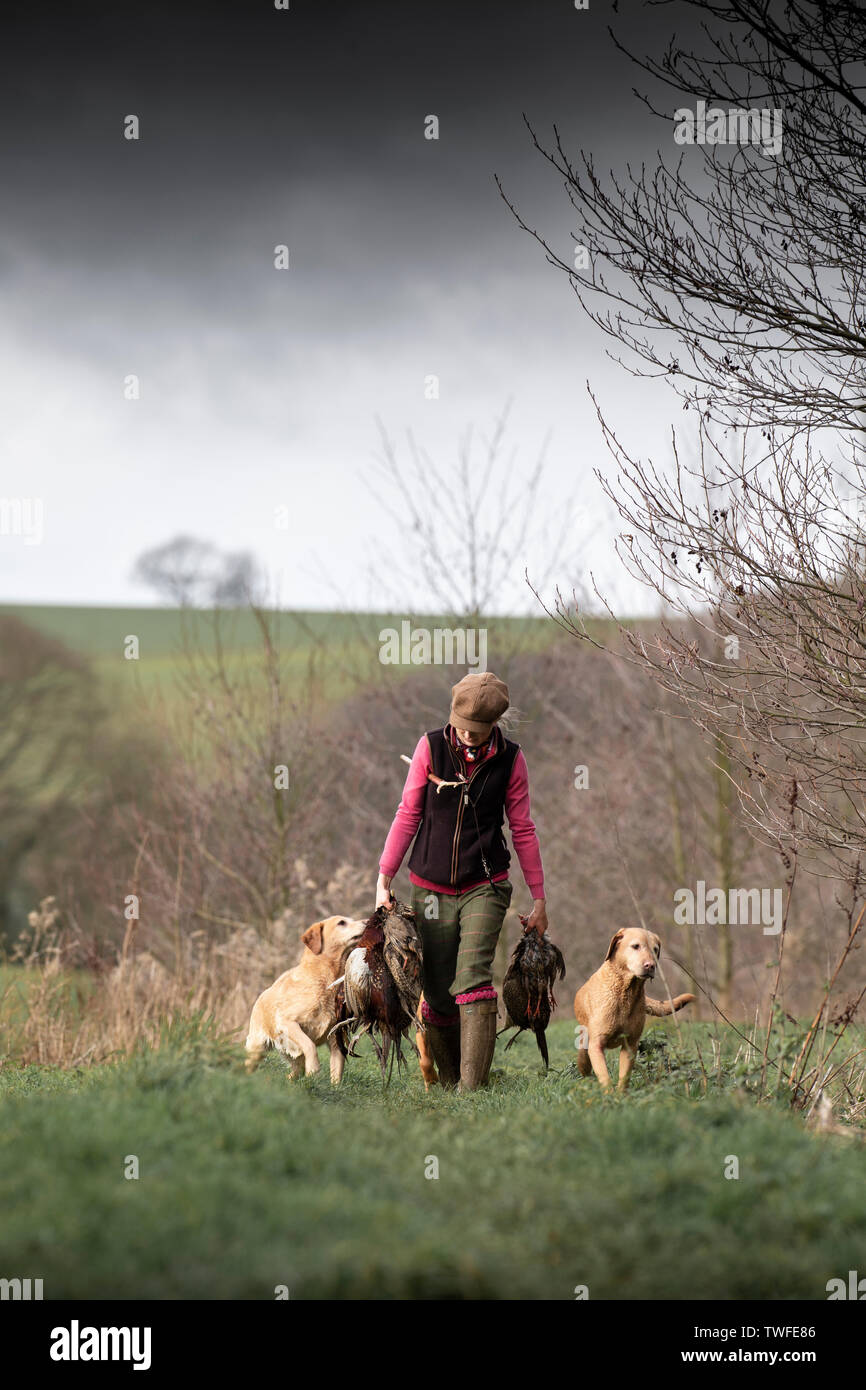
(460, 781)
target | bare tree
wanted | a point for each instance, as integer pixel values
(740, 284)
(465, 530)
(193, 573)
(755, 271)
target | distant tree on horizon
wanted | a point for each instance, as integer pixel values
(195, 574)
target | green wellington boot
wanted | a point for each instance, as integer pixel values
(477, 1043)
(444, 1044)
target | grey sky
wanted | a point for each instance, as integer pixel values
(260, 387)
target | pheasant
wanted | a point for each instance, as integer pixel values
(527, 990)
(380, 989)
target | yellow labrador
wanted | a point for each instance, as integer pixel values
(612, 1006)
(297, 1012)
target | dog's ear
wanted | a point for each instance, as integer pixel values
(656, 944)
(614, 942)
(312, 938)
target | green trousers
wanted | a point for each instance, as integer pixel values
(459, 932)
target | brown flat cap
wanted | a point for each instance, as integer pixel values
(477, 702)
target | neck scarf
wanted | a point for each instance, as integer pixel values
(470, 755)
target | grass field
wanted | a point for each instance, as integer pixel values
(99, 632)
(343, 645)
(99, 635)
(544, 1184)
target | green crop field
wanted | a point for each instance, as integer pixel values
(544, 1184)
(100, 632)
(345, 645)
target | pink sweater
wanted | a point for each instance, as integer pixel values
(410, 810)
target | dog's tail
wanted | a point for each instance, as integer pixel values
(661, 1008)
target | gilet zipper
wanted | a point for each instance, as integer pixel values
(464, 797)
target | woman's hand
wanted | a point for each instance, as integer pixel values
(384, 897)
(537, 917)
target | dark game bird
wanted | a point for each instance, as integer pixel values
(380, 988)
(527, 989)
